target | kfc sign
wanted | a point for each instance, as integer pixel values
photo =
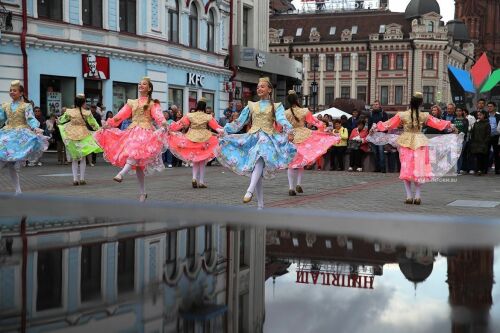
(195, 80)
(94, 67)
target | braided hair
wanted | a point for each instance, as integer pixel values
(150, 93)
(415, 103)
(293, 100)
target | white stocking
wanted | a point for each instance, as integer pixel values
(140, 178)
(408, 188)
(256, 174)
(74, 169)
(14, 176)
(260, 193)
(201, 166)
(196, 169)
(300, 172)
(418, 186)
(83, 165)
(127, 167)
(291, 178)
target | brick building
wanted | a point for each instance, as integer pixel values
(371, 54)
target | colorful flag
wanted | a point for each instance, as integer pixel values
(480, 71)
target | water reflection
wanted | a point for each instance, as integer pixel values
(359, 285)
(102, 275)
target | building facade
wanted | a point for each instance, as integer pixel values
(249, 56)
(97, 275)
(482, 18)
(372, 54)
(104, 47)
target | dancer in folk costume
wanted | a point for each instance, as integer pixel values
(262, 151)
(21, 139)
(417, 164)
(310, 144)
(75, 126)
(140, 145)
(198, 145)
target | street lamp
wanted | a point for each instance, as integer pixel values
(314, 87)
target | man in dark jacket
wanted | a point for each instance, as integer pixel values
(480, 106)
(376, 115)
(494, 119)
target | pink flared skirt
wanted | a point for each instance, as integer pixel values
(143, 146)
(312, 148)
(415, 164)
(189, 151)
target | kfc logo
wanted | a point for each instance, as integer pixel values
(94, 67)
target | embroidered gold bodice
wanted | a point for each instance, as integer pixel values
(198, 131)
(76, 129)
(412, 137)
(301, 132)
(15, 119)
(262, 119)
(140, 117)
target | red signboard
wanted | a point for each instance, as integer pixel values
(94, 67)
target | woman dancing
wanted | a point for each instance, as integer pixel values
(262, 151)
(310, 144)
(414, 146)
(21, 139)
(198, 145)
(77, 138)
(140, 145)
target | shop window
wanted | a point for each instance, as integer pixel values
(49, 280)
(127, 16)
(56, 92)
(93, 91)
(51, 9)
(193, 99)
(126, 265)
(361, 93)
(193, 25)
(90, 267)
(173, 23)
(123, 91)
(175, 97)
(210, 99)
(384, 95)
(92, 13)
(211, 31)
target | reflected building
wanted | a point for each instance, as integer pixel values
(94, 275)
(470, 281)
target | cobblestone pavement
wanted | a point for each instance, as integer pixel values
(335, 190)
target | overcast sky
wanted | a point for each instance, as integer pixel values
(447, 7)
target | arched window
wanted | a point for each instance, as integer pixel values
(430, 26)
(211, 32)
(193, 26)
(173, 23)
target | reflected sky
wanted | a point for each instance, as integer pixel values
(394, 305)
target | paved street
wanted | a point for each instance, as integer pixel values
(323, 189)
